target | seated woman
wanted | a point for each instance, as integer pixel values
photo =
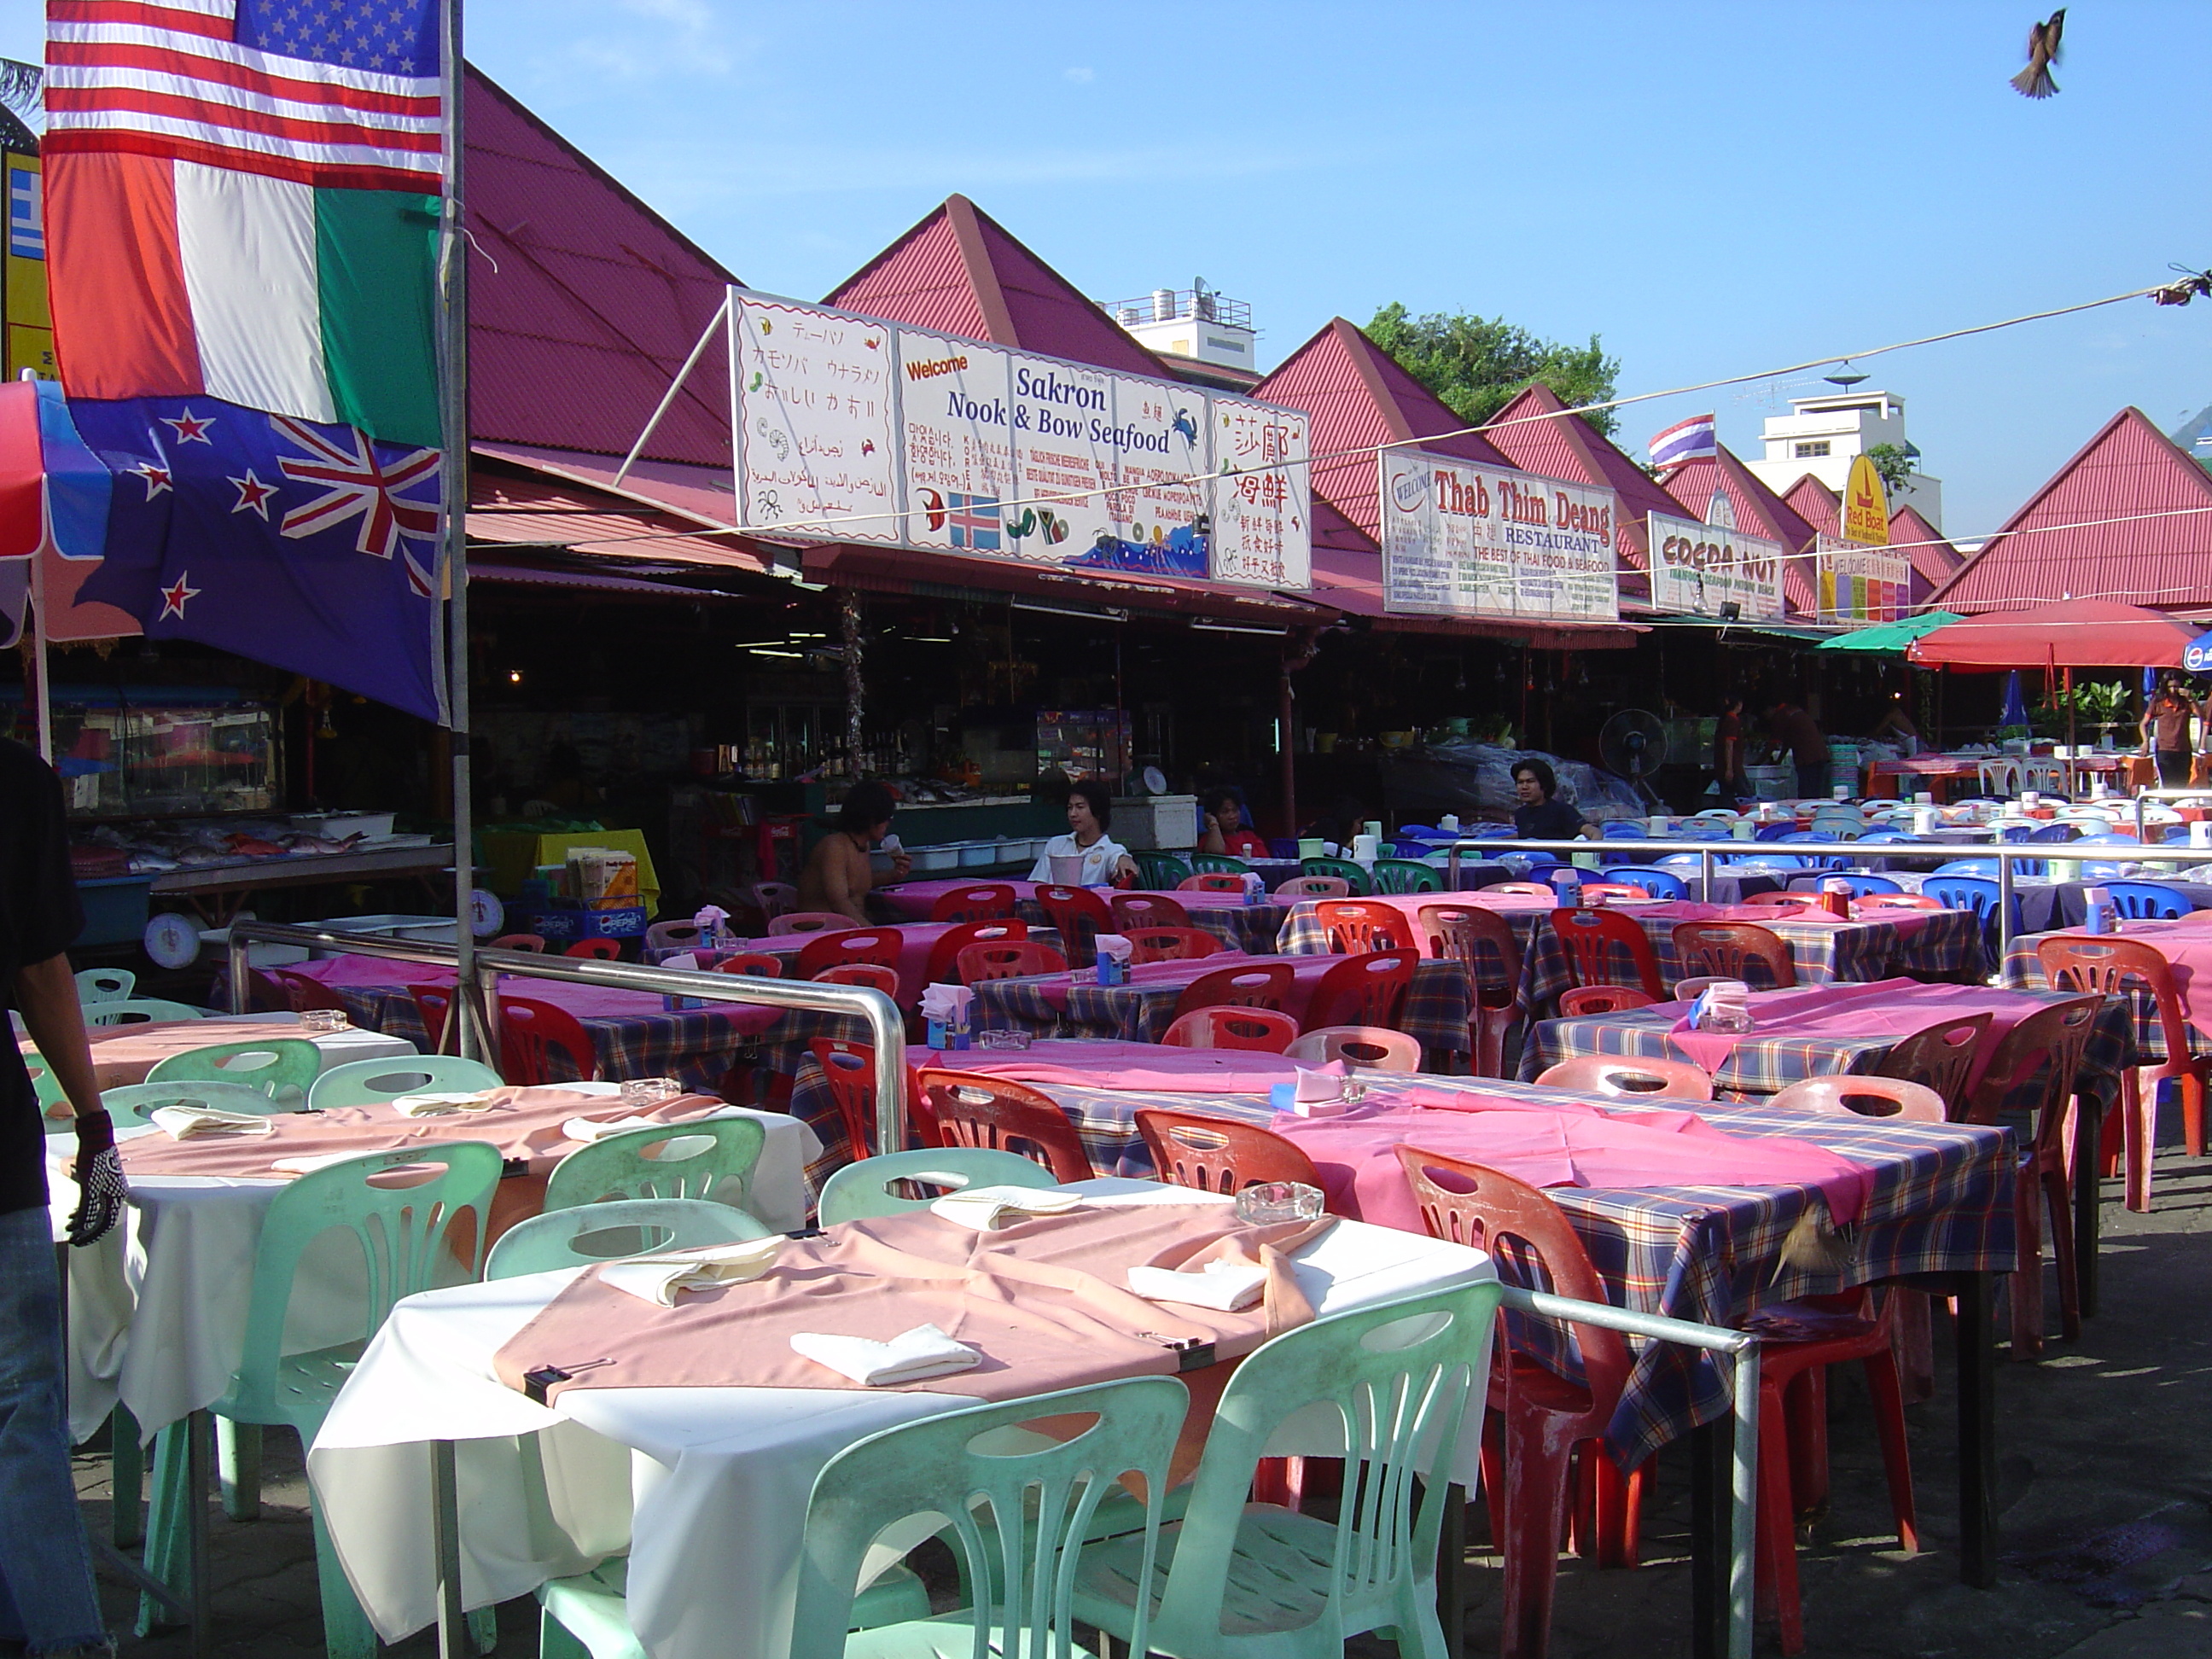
(1090, 810)
(837, 876)
(1224, 831)
(1541, 815)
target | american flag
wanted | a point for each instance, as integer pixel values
(340, 94)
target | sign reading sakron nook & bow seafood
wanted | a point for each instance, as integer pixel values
(1462, 539)
(1695, 569)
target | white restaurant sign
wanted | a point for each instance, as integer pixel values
(1462, 539)
(1697, 568)
(852, 430)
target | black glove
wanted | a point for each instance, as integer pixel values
(101, 1190)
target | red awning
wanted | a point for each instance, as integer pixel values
(23, 472)
(2070, 634)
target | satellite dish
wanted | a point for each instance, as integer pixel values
(1633, 743)
(172, 941)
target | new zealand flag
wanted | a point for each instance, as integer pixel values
(305, 546)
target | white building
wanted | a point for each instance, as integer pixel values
(1820, 435)
(1199, 333)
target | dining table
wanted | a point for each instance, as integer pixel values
(1239, 925)
(123, 1054)
(2186, 942)
(916, 940)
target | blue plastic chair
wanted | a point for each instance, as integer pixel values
(1660, 884)
(863, 1188)
(1968, 867)
(1861, 885)
(1883, 834)
(2148, 898)
(2052, 832)
(621, 1227)
(373, 1082)
(1976, 893)
(1624, 829)
(1772, 861)
(1784, 830)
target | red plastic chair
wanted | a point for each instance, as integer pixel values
(1939, 1058)
(773, 899)
(1586, 999)
(849, 1069)
(809, 921)
(1356, 926)
(1483, 942)
(1594, 939)
(1863, 1096)
(2131, 969)
(432, 1002)
(540, 1044)
(1080, 916)
(1521, 889)
(1730, 950)
(520, 942)
(672, 936)
(759, 964)
(1373, 1047)
(1248, 985)
(595, 949)
(1877, 902)
(972, 1109)
(880, 945)
(301, 993)
(1615, 1077)
(874, 974)
(1216, 1155)
(1784, 901)
(1146, 910)
(1613, 889)
(1362, 990)
(946, 952)
(1265, 1030)
(1172, 943)
(1015, 959)
(991, 901)
(1211, 881)
(1299, 887)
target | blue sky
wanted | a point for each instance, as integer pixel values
(1714, 188)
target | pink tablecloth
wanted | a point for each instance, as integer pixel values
(2186, 944)
(1898, 1007)
(1306, 972)
(1568, 1144)
(913, 901)
(585, 1002)
(1082, 1064)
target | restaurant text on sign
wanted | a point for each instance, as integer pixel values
(1460, 539)
(1697, 568)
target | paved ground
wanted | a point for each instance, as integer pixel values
(2105, 1496)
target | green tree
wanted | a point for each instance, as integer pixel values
(1890, 464)
(1476, 364)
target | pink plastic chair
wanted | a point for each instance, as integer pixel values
(1299, 887)
(1615, 1078)
(809, 921)
(1265, 1030)
(1371, 1047)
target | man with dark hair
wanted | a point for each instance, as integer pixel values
(1797, 731)
(1541, 815)
(47, 1604)
(838, 876)
(1100, 859)
(1224, 831)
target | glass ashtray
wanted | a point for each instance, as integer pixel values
(1001, 1040)
(650, 1091)
(322, 1021)
(1267, 1201)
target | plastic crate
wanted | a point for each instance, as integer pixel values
(115, 909)
(567, 926)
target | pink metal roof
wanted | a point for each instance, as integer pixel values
(583, 301)
(2054, 548)
(1758, 509)
(1935, 561)
(1818, 504)
(534, 510)
(961, 271)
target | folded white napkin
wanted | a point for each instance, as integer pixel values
(433, 1104)
(309, 1162)
(986, 1208)
(205, 1122)
(924, 1350)
(1225, 1286)
(1323, 1082)
(1117, 946)
(947, 1003)
(662, 1278)
(586, 1129)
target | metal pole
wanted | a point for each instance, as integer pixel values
(446, 1540)
(454, 419)
(1706, 872)
(721, 312)
(41, 679)
(2004, 904)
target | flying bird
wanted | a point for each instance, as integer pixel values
(2034, 81)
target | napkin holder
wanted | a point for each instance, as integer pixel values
(1114, 952)
(947, 1012)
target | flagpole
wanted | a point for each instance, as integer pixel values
(454, 411)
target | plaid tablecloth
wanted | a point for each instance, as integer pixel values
(2023, 971)
(1762, 1064)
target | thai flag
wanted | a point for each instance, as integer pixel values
(973, 522)
(1685, 441)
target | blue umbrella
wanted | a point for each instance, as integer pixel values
(2150, 675)
(2015, 705)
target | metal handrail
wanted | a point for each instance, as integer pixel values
(887, 1033)
(2200, 792)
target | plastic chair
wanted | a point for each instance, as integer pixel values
(991, 901)
(538, 1042)
(1172, 943)
(946, 952)
(973, 1109)
(1727, 950)
(637, 1226)
(1873, 904)
(1863, 1096)
(432, 1004)
(1584, 1000)
(2137, 899)
(773, 899)
(1594, 939)
(1218, 1155)
(139, 1011)
(520, 942)
(877, 945)
(2132, 968)
(1371, 1047)
(849, 1069)
(1521, 888)
(1614, 890)
(1211, 881)
(54, 1107)
(135, 1103)
(373, 1082)
(302, 992)
(1483, 942)
(1250, 1581)
(403, 1209)
(1264, 1030)
(872, 975)
(595, 949)
(1219, 864)
(1861, 885)
(859, 1190)
(1406, 876)
(1613, 1077)
(1939, 1057)
(672, 935)
(808, 921)
(104, 984)
(1351, 875)
(1146, 910)
(760, 965)
(1015, 959)
(274, 1066)
(1363, 990)
(1079, 915)
(668, 1160)
(1655, 883)
(1159, 872)
(1358, 926)
(1987, 868)
(1248, 985)
(1784, 900)
(1299, 887)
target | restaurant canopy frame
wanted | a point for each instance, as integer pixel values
(2067, 633)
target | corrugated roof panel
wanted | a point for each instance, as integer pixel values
(519, 509)
(920, 279)
(1758, 509)
(1935, 561)
(1818, 504)
(2061, 545)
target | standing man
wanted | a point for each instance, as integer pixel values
(2165, 732)
(1797, 731)
(1727, 753)
(47, 1604)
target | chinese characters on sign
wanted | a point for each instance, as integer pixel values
(1460, 539)
(1861, 585)
(813, 398)
(1697, 568)
(1260, 531)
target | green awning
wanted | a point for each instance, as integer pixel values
(1889, 638)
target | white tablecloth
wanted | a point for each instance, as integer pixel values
(704, 1487)
(337, 1047)
(157, 1308)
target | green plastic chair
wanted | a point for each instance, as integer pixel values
(48, 1088)
(104, 984)
(139, 1010)
(628, 1226)
(620, 1167)
(862, 1190)
(373, 1082)
(1159, 871)
(1406, 876)
(1217, 864)
(134, 1102)
(1354, 876)
(405, 1234)
(1250, 1581)
(273, 1065)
